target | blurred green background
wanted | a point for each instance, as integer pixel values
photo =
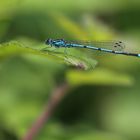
(104, 100)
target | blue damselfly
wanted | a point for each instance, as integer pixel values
(116, 46)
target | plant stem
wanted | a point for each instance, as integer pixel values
(55, 98)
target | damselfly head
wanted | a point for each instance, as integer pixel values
(48, 41)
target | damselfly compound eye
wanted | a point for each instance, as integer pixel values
(48, 41)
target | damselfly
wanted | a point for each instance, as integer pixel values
(116, 46)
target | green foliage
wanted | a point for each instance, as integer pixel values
(103, 103)
(98, 77)
(77, 59)
(27, 71)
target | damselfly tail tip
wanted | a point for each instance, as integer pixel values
(138, 55)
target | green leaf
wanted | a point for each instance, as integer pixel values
(98, 136)
(69, 26)
(76, 58)
(57, 131)
(98, 77)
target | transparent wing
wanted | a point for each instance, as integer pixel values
(113, 45)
